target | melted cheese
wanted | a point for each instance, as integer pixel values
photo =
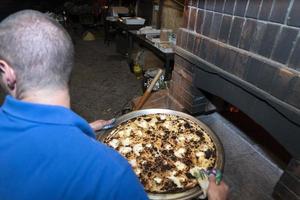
(168, 147)
(162, 133)
(114, 143)
(180, 166)
(162, 117)
(153, 122)
(193, 137)
(200, 154)
(205, 163)
(195, 170)
(137, 171)
(137, 149)
(139, 133)
(204, 147)
(125, 150)
(157, 180)
(176, 180)
(180, 152)
(143, 162)
(125, 133)
(143, 124)
(181, 138)
(133, 162)
(173, 173)
(168, 124)
(126, 142)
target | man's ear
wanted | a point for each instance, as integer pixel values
(8, 77)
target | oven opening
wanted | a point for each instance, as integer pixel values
(275, 151)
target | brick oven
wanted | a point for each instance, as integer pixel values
(248, 54)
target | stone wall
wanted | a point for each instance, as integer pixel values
(183, 89)
(256, 40)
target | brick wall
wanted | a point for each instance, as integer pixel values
(247, 52)
(183, 89)
(256, 40)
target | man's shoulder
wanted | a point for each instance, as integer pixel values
(73, 149)
(70, 138)
(71, 159)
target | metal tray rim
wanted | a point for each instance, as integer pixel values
(191, 193)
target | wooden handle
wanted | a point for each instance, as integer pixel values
(146, 95)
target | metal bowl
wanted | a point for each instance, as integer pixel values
(190, 193)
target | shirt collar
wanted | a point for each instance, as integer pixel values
(46, 114)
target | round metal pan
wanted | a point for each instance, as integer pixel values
(190, 193)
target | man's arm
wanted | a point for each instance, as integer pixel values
(99, 124)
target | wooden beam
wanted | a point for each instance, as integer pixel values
(159, 15)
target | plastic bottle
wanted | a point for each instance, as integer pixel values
(138, 71)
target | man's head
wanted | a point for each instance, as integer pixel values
(36, 54)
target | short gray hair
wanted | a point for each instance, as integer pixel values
(38, 49)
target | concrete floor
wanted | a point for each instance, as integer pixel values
(101, 83)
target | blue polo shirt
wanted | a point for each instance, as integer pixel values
(49, 152)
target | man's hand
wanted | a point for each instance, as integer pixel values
(99, 124)
(217, 192)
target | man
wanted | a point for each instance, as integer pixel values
(46, 150)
